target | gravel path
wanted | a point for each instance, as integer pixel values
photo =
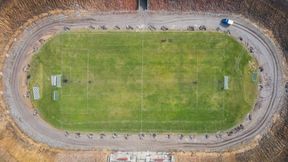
(264, 50)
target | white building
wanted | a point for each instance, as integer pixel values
(140, 157)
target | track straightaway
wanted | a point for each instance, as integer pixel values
(266, 53)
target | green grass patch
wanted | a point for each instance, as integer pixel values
(144, 81)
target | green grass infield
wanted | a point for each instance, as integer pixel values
(144, 81)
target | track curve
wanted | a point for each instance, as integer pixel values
(266, 53)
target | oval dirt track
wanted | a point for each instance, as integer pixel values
(265, 51)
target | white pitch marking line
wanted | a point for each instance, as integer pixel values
(87, 76)
(197, 74)
(142, 82)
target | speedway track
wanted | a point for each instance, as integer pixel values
(266, 53)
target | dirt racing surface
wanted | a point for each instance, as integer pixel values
(266, 53)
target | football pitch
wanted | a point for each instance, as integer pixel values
(144, 81)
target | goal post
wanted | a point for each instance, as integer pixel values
(226, 82)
